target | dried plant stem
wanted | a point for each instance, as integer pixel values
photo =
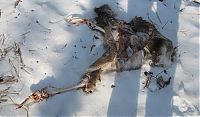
(7, 79)
(15, 69)
(23, 34)
(157, 15)
(19, 53)
(4, 93)
(54, 22)
(165, 24)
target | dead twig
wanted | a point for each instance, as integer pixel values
(4, 93)
(165, 24)
(2, 38)
(15, 69)
(64, 46)
(19, 53)
(3, 49)
(8, 79)
(24, 34)
(151, 20)
(23, 68)
(92, 48)
(157, 15)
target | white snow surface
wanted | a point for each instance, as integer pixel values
(54, 55)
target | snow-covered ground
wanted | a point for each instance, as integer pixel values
(58, 54)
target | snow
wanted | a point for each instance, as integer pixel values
(54, 55)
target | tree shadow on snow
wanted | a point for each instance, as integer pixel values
(161, 103)
(158, 103)
(67, 71)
